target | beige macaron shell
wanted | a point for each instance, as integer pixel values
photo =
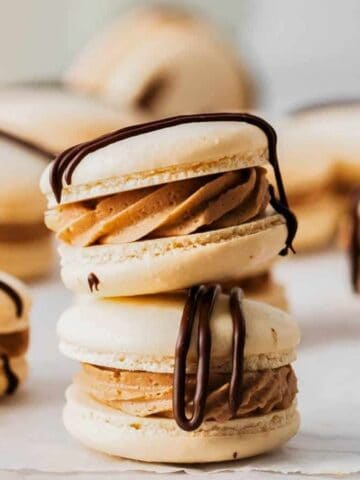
(161, 440)
(161, 156)
(20, 198)
(57, 119)
(166, 264)
(111, 333)
(19, 367)
(9, 322)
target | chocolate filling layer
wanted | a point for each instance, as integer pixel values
(10, 232)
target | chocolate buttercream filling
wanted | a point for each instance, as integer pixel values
(65, 163)
(173, 209)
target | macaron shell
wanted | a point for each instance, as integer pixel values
(161, 265)
(111, 333)
(162, 156)
(28, 260)
(160, 440)
(9, 321)
(19, 367)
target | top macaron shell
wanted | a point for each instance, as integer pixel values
(161, 156)
(20, 198)
(9, 320)
(55, 118)
(111, 333)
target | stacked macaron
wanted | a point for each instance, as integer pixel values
(14, 333)
(128, 65)
(153, 220)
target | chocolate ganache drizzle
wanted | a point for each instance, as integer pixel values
(33, 147)
(65, 163)
(201, 300)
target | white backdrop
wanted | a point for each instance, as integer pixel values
(300, 49)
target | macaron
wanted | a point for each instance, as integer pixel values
(14, 333)
(55, 118)
(129, 398)
(25, 243)
(128, 65)
(168, 204)
(319, 152)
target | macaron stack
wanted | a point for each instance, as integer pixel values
(154, 219)
(14, 333)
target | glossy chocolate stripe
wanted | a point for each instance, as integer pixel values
(200, 298)
(354, 250)
(15, 297)
(66, 163)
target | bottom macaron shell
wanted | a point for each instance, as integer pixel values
(160, 440)
(27, 259)
(163, 265)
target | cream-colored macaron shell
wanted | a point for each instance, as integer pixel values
(161, 156)
(166, 264)
(127, 62)
(57, 119)
(9, 321)
(19, 367)
(20, 198)
(139, 333)
(161, 440)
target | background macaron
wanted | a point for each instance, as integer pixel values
(15, 304)
(128, 65)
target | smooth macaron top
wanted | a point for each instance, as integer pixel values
(15, 303)
(21, 200)
(173, 153)
(140, 333)
(56, 118)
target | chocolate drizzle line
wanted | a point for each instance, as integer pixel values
(355, 245)
(15, 297)
(199, 298)
(22, 142)
(93, 282)
(65, 163)
(202, 299)
(12, 379)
